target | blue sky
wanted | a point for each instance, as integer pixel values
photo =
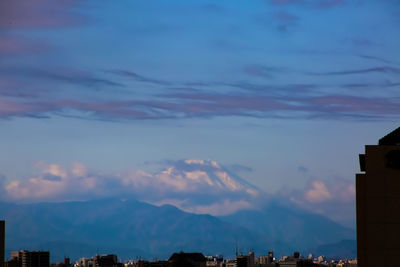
(283, 93)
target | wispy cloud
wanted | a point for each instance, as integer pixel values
(199, 104)
(138, 77)
(11, 109)
(285, 2)
(310, 3)
(64, 75)
(328, 106)
(382, 60)
(263, 71)
(383, 69)
(286, 20)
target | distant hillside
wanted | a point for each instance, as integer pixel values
(343, 249)
(135, 229)
(291, 225)
(129, 228)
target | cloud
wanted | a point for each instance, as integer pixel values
(362, 42)
(329, 106)
(303, 89)
(206, 105)
(38, 14)
(212, 8)
(329, 3)
(318, 192)
(193, 185)
(285, 2)
(225, 207)
(24, 97)
(302, 169)
(383, 69)
(382, 60)
(14, 45)
(12, 108)
(34, 14)
(320, 4)
(334, 199)
(240, 168)
(57, 183)
(64, 75)
(200, 186)
(286, 20)
(138, 77)
(263, 71)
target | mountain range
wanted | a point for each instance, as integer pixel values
(132, 229)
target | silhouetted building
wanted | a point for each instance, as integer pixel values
(183, 259)
(142, 263)
(242, 261)
(265, 260)
(24, 258)
(107, 260)
(245, 261)
(215, 261)
(65, 263)
(296, 261)
(14, 261)
(2, 241)
(84, 262)
(378, 203)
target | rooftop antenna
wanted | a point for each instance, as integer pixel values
(236, 252)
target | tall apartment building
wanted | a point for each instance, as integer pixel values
(378, 203)
(2, 241)
(24, 258)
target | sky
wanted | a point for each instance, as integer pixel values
(210, 105)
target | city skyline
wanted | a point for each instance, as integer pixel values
(213, 107)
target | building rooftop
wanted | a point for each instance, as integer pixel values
(183, 256)
(391, 139)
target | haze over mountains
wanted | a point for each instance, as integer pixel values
(131, 228)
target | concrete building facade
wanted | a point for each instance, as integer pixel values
(378, 203)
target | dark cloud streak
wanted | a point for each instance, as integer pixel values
(59, 75)
(138, 77)
(208, 105)
(376, 58)
(384, 69)
(319, 4)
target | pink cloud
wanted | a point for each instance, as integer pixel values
(12, 108)
(33, 14)
(54, 183)
(334, 199)
(200, 186)
(318, 192)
